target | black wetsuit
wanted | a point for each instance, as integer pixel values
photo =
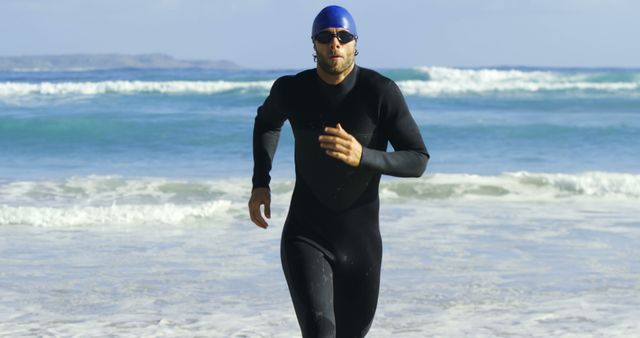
(331, 249)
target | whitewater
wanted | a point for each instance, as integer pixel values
(438, 81)
(123, 197)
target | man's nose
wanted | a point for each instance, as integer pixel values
(334, 42)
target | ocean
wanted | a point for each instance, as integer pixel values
(123, 206)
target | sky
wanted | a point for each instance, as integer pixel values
(275, 34)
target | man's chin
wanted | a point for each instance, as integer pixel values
(335, 69)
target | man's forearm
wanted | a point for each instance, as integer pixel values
(402, 163)
(265, 142)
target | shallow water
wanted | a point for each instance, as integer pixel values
(450, 268)
(123, 206)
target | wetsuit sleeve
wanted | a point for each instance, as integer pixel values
(266, 133)
(410, 156)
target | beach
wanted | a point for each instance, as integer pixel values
(123, 206)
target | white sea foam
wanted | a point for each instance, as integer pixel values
(100, 200)
(450, 268)
(441, 81)
(444, 81)
(107, 190)
(517, 186)
(120, 215)
(13, 89)
(105, 200)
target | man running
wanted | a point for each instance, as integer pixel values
(342, 117)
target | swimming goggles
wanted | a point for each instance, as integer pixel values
(343, 37)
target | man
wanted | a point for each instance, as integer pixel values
(342, 117)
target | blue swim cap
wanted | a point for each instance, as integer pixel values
(333, 17)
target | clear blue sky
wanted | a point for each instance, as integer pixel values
(275, 33)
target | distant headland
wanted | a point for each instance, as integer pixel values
(106, 61)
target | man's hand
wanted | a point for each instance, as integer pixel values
(341, 145)
(260, 196)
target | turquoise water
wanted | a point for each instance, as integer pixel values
(195, 123)
(123, 206)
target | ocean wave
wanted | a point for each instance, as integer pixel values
(108, 190)
(117, 215)
(107, 200)
(517, 186)
(433, 81)
(447, 81)
(102, 200)
(17, 89)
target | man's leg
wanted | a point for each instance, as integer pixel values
(310, 280)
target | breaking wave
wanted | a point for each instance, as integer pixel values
(424, 81)
(108, 201)
(9, 89)
(447, 81)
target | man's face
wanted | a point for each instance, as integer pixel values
(333, 57)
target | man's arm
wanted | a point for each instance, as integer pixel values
(266, 133)
(410, 156)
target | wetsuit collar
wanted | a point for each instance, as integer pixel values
(335, 93)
